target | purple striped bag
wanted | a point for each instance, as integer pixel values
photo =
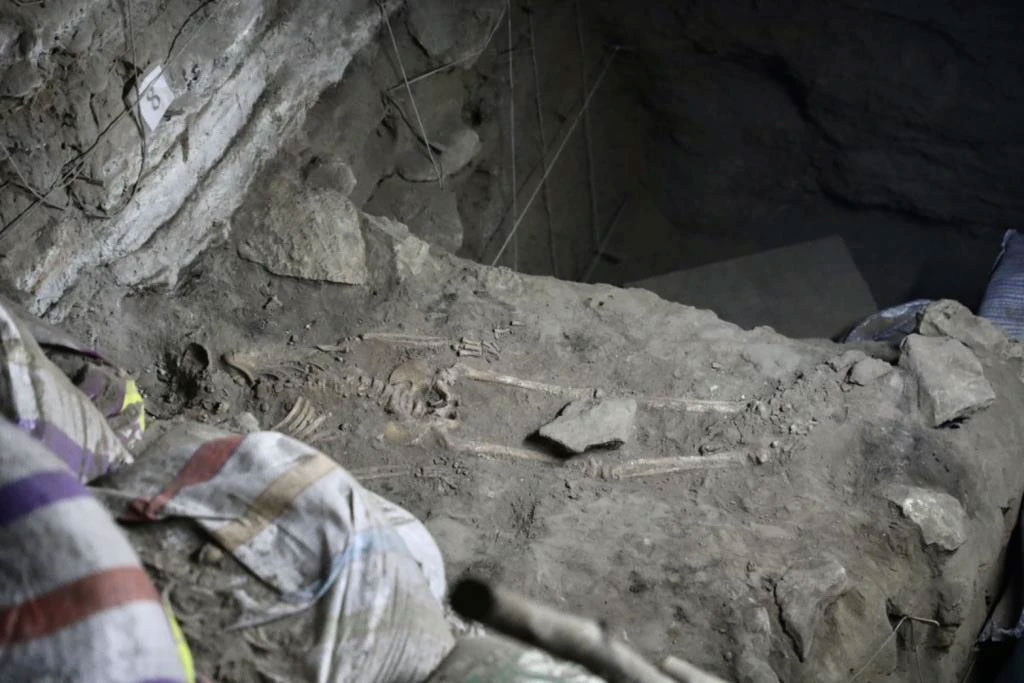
(37, 396)
(75, 603)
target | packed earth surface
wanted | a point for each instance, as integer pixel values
(374, 227)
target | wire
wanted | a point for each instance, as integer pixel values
(512, 130)
(412, 100)
(558, 152)
(543, 142)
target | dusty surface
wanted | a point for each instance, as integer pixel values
(746, 526)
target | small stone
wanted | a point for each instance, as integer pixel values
(763, 457)
(462, 148)
(245, 423)
(951, 382)
(803, 593)
(938, 515)
(866, 371)
(716, 366)
(209, 554)
(331, 174)
(588, 423)
(774, 444)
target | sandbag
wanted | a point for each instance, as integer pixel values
(1003, 302)
(75, 602)
(37, 396)
(494, 658)
(306, 527)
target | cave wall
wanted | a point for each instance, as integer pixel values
(244, 74)
(729, 127)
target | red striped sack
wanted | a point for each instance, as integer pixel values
(75, 603)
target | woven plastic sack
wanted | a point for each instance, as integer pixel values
(485, 659)
(37, 396)
(890, 325)
(1003, 302)
(75, 603)
(306, 527)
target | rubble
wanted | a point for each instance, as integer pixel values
(868, 370)
(315, 237)
(588, 423)
(948, 318)
(951, 382)
(938, 515)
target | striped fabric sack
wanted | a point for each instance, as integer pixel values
(75, 603)
(1003, 302)
(304, 526)
(37, 396)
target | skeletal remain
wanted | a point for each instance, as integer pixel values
(415, 340)
(645, 467)
(302, 421)
(500, 332)
(692, 405)
(484, 449)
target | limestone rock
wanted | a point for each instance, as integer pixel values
(803, 593)
(866, 371)
(592, 422)
(948, 318)
(751, 668)
(431, 212)
(939, 515)
(951, 382)
(316, 236)
(453, 30)
(331, 174)
(460, 149)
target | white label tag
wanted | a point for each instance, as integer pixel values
(156, 97)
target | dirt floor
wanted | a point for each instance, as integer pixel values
(745, 525)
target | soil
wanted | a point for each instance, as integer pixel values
(678, 562)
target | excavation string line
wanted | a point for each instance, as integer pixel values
(557, 154)
(512, 128)
(412, 100)
(72, 165)
(892, 635)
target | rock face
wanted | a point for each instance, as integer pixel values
(316, 236)
(951, 382)
(939, 515)
(592, 422)
(803, 593)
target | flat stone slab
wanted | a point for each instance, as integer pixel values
(589, 423)
(939, 516)
(951, 382)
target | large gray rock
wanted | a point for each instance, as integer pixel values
(592, 422)
(459, 148)
(949, 318)
(951, 382)
(938, 515)
(431, 212)
(803, 593)
(316, 236)
(453, 30)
